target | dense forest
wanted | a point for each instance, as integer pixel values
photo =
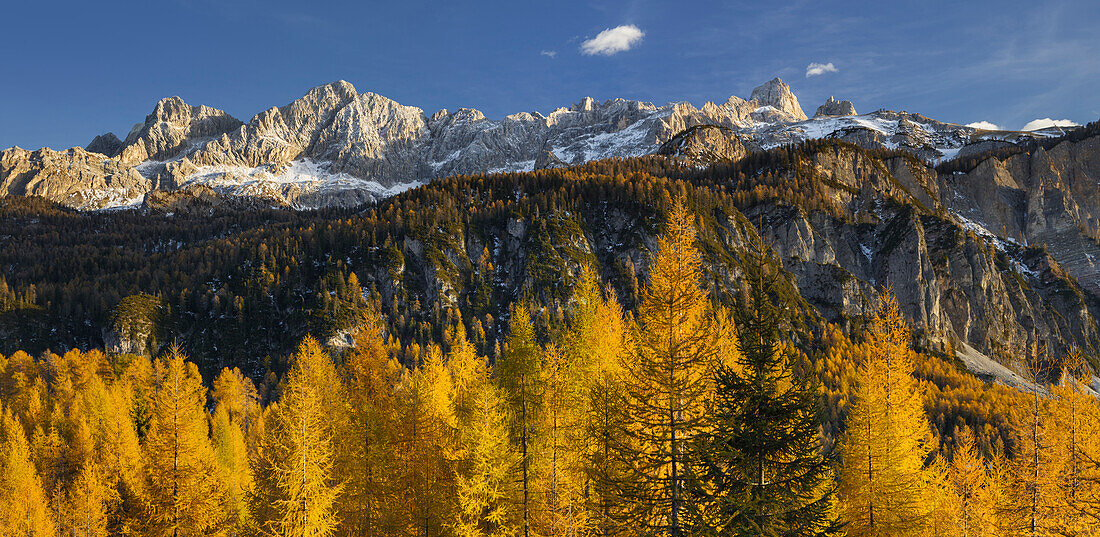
(686, 414)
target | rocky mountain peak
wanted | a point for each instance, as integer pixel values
(586, 104)
(778, 95)
(104, 144)
(169, 128)
(833, 107)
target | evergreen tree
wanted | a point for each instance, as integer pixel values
(883, 482)
(766, 473)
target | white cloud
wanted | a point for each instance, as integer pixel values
(1037, 124)
(815, 69)
(984, 125)
(550, 53)
(613, 40)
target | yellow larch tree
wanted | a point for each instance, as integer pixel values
(367, 459)
(1074, 426)
(883, 483)
(296, 486)
(87, 504)
(975, 498)
(520, 375)
(23, 502)
(424, 444)
(595, 346)
(668, 385)
(485, 464)
(185, 493)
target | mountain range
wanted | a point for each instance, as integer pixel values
(989, 239)
(337, 147)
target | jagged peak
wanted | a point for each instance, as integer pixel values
(833, 107)
(104, 144)
(778, 94)
(586, 104)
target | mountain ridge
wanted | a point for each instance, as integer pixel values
(335, 146)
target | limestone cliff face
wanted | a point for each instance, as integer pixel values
(73, 177)
(833, 107)
(705, 144)
(1042, 197)
(957, 282)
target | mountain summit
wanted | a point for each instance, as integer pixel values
(335, 146)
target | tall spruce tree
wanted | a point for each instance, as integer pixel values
(766, 472)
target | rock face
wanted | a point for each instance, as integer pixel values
(1043, 197)
(777, 94)
(73, 177)
(705, 144)
(105, 144)
(169, 129)
(335, 146)
(833, 107)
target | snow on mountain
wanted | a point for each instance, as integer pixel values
(337, 146)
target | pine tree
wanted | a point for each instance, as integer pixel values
(186, 494)
(297, 488)
(766, 472)
(519, 373)
(883, 482)
(667, 384)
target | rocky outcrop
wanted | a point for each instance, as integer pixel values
(169, 130)
(777, 94)
(705, 144)
(73, 177)
(105, 144)
(833, 107)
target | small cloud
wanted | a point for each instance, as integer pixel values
(815, 69)
(985, 125)
(613, 40)
(1037, 124)
(550, 54)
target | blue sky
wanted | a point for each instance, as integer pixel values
(72, 70)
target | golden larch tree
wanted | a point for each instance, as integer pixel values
(185, 492)
(883, 483)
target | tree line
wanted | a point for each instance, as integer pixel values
(685, 418)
